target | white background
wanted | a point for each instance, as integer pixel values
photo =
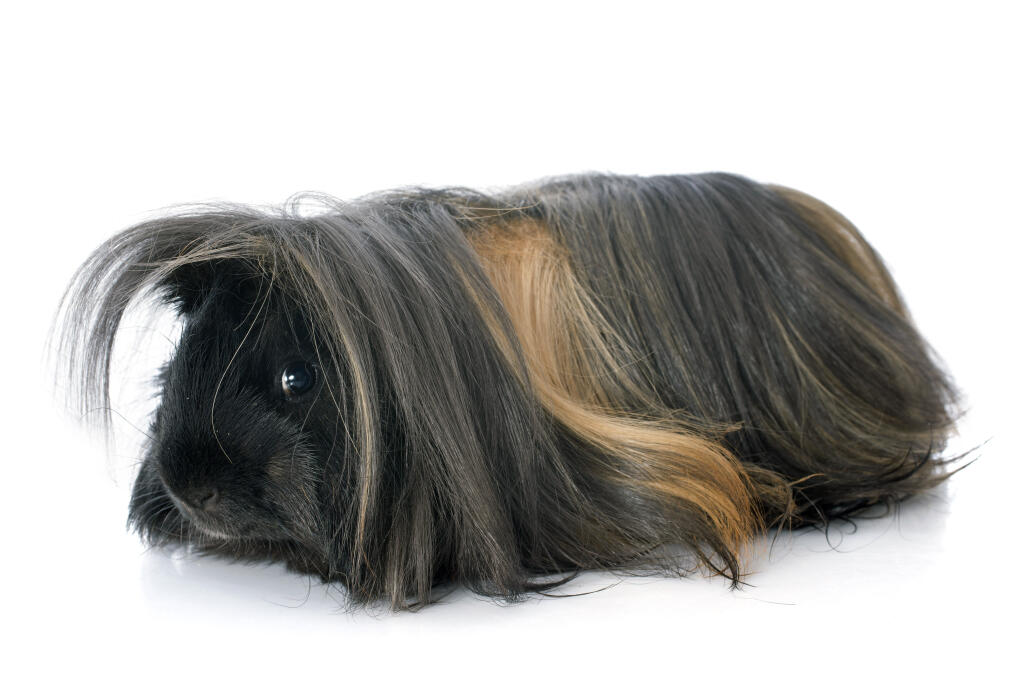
(905, 117)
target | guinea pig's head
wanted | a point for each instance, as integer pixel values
(240, 439)
(251, 447)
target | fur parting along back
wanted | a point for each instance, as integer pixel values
(583, 373)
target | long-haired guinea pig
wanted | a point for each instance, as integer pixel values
(427, 389)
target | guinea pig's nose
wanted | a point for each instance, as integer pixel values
(203, 498)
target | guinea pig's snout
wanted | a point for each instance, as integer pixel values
(195, 499)
(194, 483)
(202, 498)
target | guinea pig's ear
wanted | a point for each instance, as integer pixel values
(186, 287)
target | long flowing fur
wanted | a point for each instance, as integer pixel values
(584, 373)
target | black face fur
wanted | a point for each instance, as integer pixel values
(593, 372)
(237, 458)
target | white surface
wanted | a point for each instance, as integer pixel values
(906, 118)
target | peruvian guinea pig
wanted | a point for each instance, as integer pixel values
(426, 389)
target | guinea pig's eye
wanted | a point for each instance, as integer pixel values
(298, 378)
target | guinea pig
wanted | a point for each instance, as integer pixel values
(427, 389)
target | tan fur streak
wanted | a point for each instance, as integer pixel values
(573, 357)
(845, 241)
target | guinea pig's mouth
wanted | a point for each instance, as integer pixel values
(208, 529)
(206, 525)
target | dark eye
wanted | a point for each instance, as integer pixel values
(298, 378)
